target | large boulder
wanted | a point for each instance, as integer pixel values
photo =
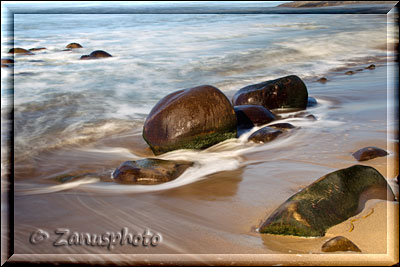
(149, 171)
(328, 201)
(249, 116)
(287, 92)
(194, 118)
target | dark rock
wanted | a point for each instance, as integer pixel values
(303, 115)
(37, 49)
(249, 116)
(339, 243)
(193, 118)
(322, 80)
(286, 92)
(19, 51)
(328, 201)
(5, 66)
(149, 171)
(282, 126)
(7, 61)
(311, 117)
(350, 72)
(264, 135)
(73, 45)
(311, 102)
(370, 152)
(371, 67)
(359, 69)
(96, 54)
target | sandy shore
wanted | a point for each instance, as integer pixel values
(214, 220)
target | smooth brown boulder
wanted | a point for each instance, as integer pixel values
(193, 118)
(149, 171)
(288, 92)
(249, 116)
(339, 243)
(73, 45)
(370, 152)
(19, 51)
(96, 54)
(264, 135)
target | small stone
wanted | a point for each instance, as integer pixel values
(311, 102)
(282, 126)
(370, 152)
(350, 72)
(37, 49)
(339, 243)
(359, 69)
(322, 80)
(264, 135)
(371, 67)
(73, 45)
(19, 51)
(7, 61)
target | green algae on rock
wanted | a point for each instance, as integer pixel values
(149, 171)
(194, 118)
(328, 201)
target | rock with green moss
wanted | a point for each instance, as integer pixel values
(149, 171)
(194, 118)
(328, 201)
(288, 92)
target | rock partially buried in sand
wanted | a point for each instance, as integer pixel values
(350, 72)
(370, 152)
(249, 116)
(19, 51)
(73, 45)
(339, 243)
(264, 135)
(149, 171)
(322, 80)
(287, 92)
(96, 54)
(193, 118)
(370, 67)
(311, 102)
(328, 201)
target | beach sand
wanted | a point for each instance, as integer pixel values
(214, 220)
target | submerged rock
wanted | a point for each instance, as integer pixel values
(264, 135)
(193, 118)
(370, 152)
(149, 171)
(37, 49)
(339, 243)
(370, 67)
(249, 116)
(7, 61)
(350, 72)
(311, 102)
(286, 92)
(282, 126)
(73, 45)
(328, 201)
(96, 54)
(19, 51)
(322, 80)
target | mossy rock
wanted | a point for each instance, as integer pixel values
(149, 171)
(328, 201)
(288, 92)
(194, 118)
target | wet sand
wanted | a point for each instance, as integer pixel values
(220, 214)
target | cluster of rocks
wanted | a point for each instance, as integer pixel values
(6, 62)
(349, 72)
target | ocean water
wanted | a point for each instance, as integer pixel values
(61, 102)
